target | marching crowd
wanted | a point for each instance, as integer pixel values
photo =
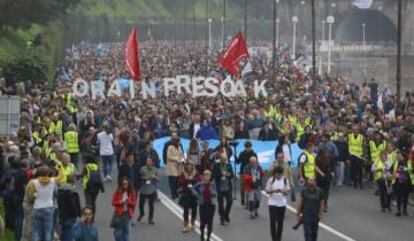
(350, 134)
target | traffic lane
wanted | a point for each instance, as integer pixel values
(357, 212)
(167, 225)
(242, 228)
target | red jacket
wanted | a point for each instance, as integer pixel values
(118, 205)
(249, 185)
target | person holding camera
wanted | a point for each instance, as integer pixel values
(382, 175)
(401, 183)
(243, 160)
(222, 175)
(277, 188)
(149, 177)
(253, 178)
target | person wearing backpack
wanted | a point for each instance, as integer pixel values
(277, 188)
(92, 181)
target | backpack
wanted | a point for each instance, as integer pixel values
(95, 180)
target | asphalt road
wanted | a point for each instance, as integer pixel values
(353, 215)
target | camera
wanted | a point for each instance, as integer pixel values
(234, 143)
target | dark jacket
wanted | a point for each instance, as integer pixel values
(342, 150)
(132, 172)
(144, 154)
(244, 159)
(217, 175)
(269, 135)
(228, 150)
(69, 204)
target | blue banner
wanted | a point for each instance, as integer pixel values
(264, 149)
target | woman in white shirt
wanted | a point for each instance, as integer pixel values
(277, 188)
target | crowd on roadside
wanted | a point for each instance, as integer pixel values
(351, 134)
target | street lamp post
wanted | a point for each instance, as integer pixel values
(223, 25)
(209, 35)
(322, 44)
(330, 20)
(275, 2)
(363, 35)
(313, 40)
(245, 20)
(398, 77)
(294, 21)
(277, 32)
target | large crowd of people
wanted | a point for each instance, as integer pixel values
(351, 135)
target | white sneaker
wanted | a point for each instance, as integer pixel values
(109, 178)
(104, 179)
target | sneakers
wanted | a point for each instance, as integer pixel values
(151, 222)
(108, 178)
(140, 217)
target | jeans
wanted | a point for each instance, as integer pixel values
(206, 219)
(187, 209)
(402, 190)
(384, 193)
(340, 174)
(18, 223)
(122, 233)
(224, 211)
(356, 170)
(277, 215)
(42, 224)
(151, 200)
(107, 162)
(172, 181)
(66, 229)
(90, 199)
(310, 228)
(324, 183)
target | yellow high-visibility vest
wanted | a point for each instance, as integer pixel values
(66, 172)
(36, 137)
(71, 142)
(89, 167)
(355, 144)
(309, 167)
(56, 128)
(376, 150)
(380, 170)
(411, 171)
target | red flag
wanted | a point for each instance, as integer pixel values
(131, 55)
(235, 52)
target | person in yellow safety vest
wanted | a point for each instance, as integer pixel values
(411, 171)
(376, 146)
(401, 183)
(37, 140)
(307, 164)
(56, 126)
(356, 142)
(66, 168)
(91, 193)
(382, 175)
(71, 138)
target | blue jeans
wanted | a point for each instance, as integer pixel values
(18, 223)
(66, 232)
(107, 162)
(42, 224)
(340, 174)
(122, 233)
(311, 229)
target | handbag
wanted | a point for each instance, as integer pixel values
(119, 221)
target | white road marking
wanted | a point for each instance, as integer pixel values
(322, 225)
(178, 211)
